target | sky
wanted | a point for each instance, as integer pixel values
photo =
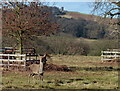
(82, 7)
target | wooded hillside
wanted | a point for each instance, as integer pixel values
(78, 33)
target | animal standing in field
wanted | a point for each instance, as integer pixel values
(38, 69)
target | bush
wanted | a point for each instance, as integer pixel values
(99, 45)
(67, 45)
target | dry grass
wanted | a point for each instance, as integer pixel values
(89, 73)
(65, 16)
(76, 61)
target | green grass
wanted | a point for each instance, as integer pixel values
(90, 73)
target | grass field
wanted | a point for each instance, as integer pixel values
(89, 72)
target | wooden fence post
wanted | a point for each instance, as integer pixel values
(8, 61)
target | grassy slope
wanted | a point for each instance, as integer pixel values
(91, 73)
(77, 15)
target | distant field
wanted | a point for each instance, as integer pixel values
(89, 72)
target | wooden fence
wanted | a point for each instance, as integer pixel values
(17, 59)
(10, 50)
(110, 55)
(13, 59)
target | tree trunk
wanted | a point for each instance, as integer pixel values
(20, 42)
(20, 46)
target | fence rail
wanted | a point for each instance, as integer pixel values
(13, 55)
(110, 55)
(13, 59)
(11, 50)
(110, 52)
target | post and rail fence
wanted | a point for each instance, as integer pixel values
(17, 59)
(22, 59)
(12, 57)
(13, 60)
(110, 55)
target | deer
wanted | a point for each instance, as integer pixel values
(38, 69)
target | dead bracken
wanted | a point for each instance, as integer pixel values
(54, 67)
(48, 67)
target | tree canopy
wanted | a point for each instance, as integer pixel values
(23, 20)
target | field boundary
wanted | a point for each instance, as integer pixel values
(13, 60)
(110, 55)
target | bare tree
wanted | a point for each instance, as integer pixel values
(22, 20)
(107, 7)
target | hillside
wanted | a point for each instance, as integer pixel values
(86, 25)
(78, 24)
(78, 15)
(78, 34)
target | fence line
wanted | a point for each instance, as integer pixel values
(13, 58)
(110, 55)
(12, 55)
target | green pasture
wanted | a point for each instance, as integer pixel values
(89, 72)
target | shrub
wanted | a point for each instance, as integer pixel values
(99, 45)
(67, 45)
